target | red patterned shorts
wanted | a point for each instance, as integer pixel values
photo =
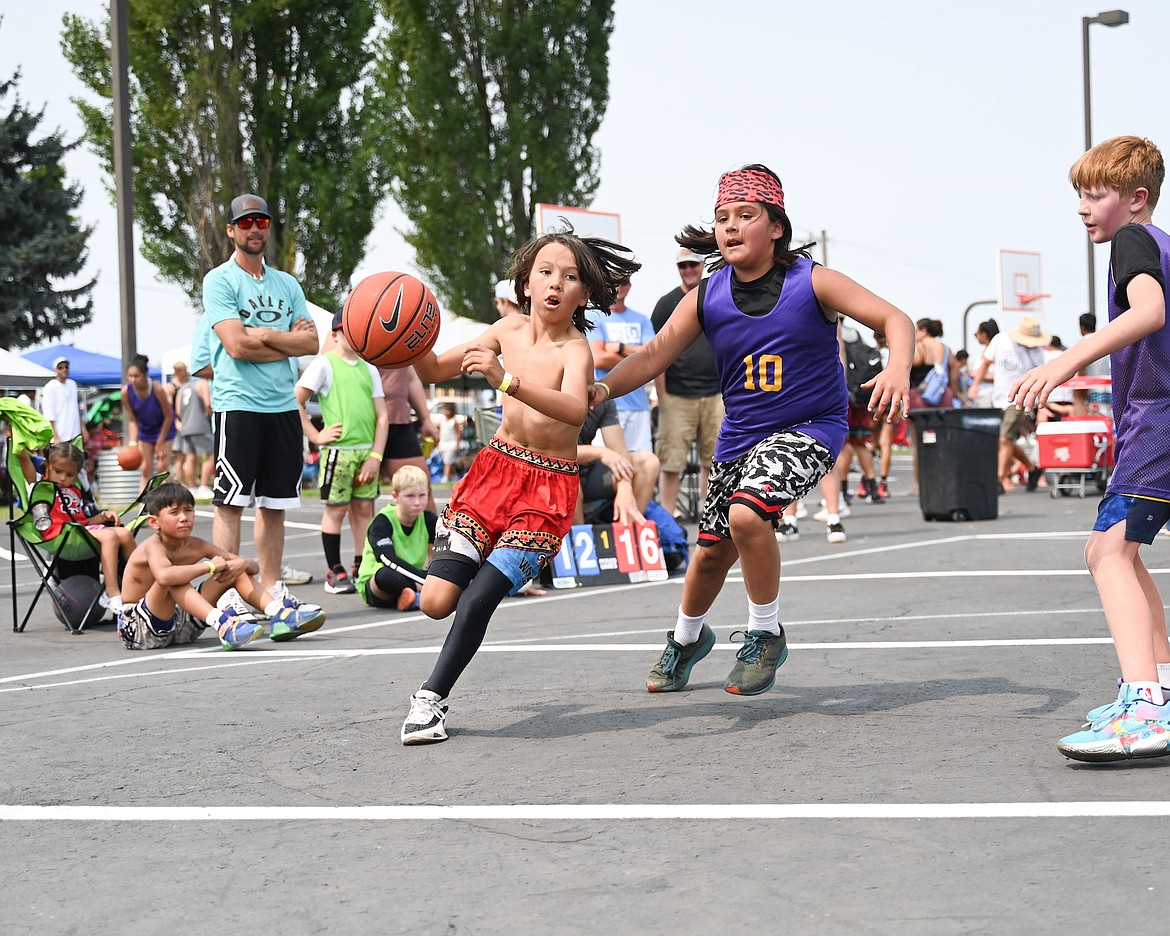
(514, 506)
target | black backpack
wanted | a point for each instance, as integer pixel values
(863, 362)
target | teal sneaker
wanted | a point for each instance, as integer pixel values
(756, 661)
(671, 672)
(1130, 727)
(234, 632)
(1101, 711)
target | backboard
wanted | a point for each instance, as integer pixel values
(585, 223)
(1020, 285)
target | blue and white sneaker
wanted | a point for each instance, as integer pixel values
(294, 618)
(1130, 727)
(234, 632)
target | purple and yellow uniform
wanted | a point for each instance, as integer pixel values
(1141, 372)
(779, 369)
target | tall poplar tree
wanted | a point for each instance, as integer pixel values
(487, 108)
(265, 96)
(41, 241)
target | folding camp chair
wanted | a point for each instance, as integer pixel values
(74, 551)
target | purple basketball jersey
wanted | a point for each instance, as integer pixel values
(1141, 400)
(778, 371)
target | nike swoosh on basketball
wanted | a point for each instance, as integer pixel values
(392, 325)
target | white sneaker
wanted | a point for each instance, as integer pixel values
(426, 722)
(787, 533)
(203, 492)
(294, 576)
(801, 510)
(837, 533)
(822, 515)
(231, 602)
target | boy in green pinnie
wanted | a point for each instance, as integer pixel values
(356, 420)
(398, 545)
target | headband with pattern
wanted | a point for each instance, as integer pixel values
(748, 185)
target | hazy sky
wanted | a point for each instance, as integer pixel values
(921, 136)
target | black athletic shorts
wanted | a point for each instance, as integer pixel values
(258, 456)
(402, 441)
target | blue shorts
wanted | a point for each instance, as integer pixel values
(1143, 516)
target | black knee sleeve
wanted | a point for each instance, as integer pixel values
(476, 606)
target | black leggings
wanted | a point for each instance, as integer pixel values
(476, 606)
(392, 583)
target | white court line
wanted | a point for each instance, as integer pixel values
(193, 651)
(308, 654)
(820, 622)
(590, 812)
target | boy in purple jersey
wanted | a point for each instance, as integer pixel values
(1118, 182)
(770, 316)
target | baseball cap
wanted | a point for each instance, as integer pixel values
(59, 360)
(337, 317)
(686, 255)
(244, 205)
(506, 290)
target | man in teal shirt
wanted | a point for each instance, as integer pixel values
(259, 325)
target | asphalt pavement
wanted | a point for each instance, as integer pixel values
(901, 777)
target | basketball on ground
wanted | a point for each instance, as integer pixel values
(130, 457)
(390, 319)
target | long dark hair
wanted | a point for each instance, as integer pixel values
(702, 240)
(599, 262)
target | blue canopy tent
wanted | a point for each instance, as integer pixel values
(88, 368)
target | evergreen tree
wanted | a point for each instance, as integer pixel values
(487, 108)
(41, 241)
(264, 96)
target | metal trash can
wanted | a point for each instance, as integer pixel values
(958, 463)
(117, 487)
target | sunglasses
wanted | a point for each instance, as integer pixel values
(245, 224)
(689, 265)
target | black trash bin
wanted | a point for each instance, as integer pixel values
(958, 472)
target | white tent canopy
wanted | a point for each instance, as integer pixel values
(18, 373)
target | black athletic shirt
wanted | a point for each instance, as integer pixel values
(1134, 252)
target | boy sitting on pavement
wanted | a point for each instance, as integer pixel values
(398, 545)
(161, 606)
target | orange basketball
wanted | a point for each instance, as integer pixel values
(390, 319)
(130, 457)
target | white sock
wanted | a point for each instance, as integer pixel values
(212, 618)
(832, 518)
(1164, 674)
(686, 629)
(273, 606)
(764, 617)
(1152, 689)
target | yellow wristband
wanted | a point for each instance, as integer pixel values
(602, 383)
(377, 455)
(210, 567)
(505, 383)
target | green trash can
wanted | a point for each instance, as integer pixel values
(958, 463)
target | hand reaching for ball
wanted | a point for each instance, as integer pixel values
(478, 359)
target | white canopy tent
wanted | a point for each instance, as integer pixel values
(18, 373)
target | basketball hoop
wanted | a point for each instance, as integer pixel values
(1029, 298)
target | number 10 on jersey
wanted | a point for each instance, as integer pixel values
(609, 553)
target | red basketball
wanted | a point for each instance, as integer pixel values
(130, 457)
(390, 319)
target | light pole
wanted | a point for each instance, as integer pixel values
(1108, 18)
